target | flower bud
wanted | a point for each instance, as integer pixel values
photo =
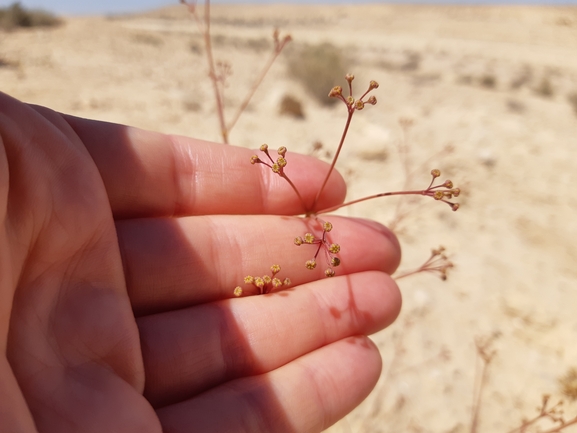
(335, 92)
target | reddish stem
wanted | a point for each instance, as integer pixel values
(343, 136)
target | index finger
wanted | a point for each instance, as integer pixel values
(151, 174)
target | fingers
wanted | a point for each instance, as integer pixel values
(172, 263)
(306, 395)
(151, 174)
(249, 336)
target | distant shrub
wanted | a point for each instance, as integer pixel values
(147, 39)
(290, 106)
(318, 68)
(16, 15)
(488, 81)
(572, 98)
(544, 88)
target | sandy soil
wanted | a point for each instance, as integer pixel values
(492, 82)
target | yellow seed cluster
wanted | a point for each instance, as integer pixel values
(327, 226)
(264, 284)
(311, 264)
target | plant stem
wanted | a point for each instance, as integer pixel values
(212, 73)
(256, 85)
(285, 177)
(343, 136)
(383, 194)
(477, 400)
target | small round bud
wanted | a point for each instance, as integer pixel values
(327, 226)
(248, 279)
(448, 184)
(359, 105)
(311, 264)
(254, 159)
(335, 261)
(282, 151)
(334, 248)
(259, 282)
(276, 168)
(281, 161)
(456, 192)
(298, 241)
(435, 173)
(349, 77)
(309, 238)
(372, 100)
(275, 269)
(237, 291)
(276, 282)
(373, 85)
(267, 279)
(287, 282)
(455, 206)
(350, 100)
(329, 273)
(264, 147)
(438, 195)
(335, 92)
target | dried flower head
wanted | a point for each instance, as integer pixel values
(264, 284)
(322, 244)
(437, 263)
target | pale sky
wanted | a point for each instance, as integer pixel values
(120, 6)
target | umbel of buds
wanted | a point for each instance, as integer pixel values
(266, 283)
(352, 103)
(330, 250)
(445, 192)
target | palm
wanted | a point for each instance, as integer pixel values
(119, 253)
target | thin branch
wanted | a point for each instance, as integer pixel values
(279, 45)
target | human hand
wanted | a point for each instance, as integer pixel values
(119, 253)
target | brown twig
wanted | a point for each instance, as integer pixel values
(553, 413)
(278, 47)
(486, 354)
(218, 81)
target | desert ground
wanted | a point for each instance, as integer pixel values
(488, 95)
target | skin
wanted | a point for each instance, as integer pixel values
(119, 252)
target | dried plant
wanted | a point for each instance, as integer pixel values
(220, 71)
(486, 353)
(444, 192)
(437, 263)
(551, 414)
